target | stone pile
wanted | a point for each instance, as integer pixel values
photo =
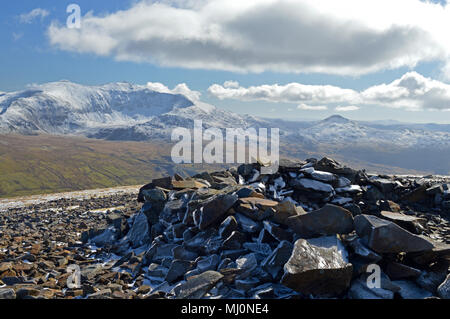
(315, 229)
(39, 242)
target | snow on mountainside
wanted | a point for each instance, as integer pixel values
(118, 111)
(339, 130)
(65, 107)
(124, 111)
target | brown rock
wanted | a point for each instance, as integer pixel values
(284, 210)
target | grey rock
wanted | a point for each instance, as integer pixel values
(444, 289)
(318, 267)
(7, 293)
(328, 220)
(139, 233)
(179, 252)
(435, 189)
(208, 263)
(397, 271)
(234, 241)
(275, 262)
(361, 250)
(360, 290)
(386, 237)
(259, 249)
(430, 279)
(197, 286)
(373, 194)
(247, 225)
(247, 284)
(312, 185)
(177, 270)
(410, 290)
(385, 185)
(155, 270)
(108, 237)
(248, 262)
(277, 232)
(215, 209)
(154, 195)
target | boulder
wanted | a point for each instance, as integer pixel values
(197, 286)
(410, 223)
(329, 220)
(256, 208)
(177, 270)
(318, 267)
(383, 236)
(139, 233)
(284, 210)
(214, 210)
(312, 185)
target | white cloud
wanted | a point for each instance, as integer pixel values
(349, 37)
(347, 108)
(181, 88)
(412, 92)
(312, 107)
(289, 93)
(231, 84)
(29, 17)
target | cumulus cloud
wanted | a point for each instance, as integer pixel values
(347, 108)
(412, 92)
(181, 88)
(29, 17)
(306, 107)
(290, 93)
(348, 37)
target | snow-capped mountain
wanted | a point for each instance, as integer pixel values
(124, 111)
(337, 130)
(127, 112)
(116, 110)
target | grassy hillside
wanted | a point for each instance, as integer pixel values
(47, 164)
(44, 164)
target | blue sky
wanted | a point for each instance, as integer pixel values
(30, 54)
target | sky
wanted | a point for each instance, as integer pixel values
(291, 59)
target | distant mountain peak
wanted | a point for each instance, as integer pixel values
(336, 119)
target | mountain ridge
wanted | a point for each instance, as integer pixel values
(127, 112)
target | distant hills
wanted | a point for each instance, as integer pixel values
(124, 113)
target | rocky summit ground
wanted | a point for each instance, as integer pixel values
(315, 229)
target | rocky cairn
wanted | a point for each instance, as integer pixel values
(313, 230)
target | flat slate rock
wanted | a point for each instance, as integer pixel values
(384, 236)
(329, 220)
(197, 286)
